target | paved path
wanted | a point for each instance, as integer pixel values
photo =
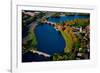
(41, 53)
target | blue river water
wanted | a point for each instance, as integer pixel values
(65, 18)
(49, 40)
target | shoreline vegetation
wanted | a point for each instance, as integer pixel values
(76, 34)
